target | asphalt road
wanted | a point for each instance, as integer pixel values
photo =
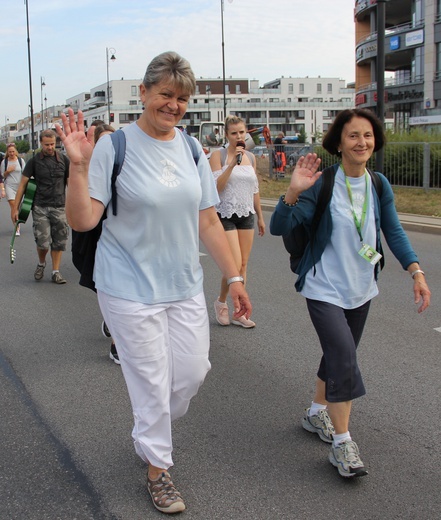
(240, 453)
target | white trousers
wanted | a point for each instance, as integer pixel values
(163, 350)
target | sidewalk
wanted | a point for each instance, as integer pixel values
(409, 222)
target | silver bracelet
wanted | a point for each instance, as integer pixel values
(235, 279)
(413, 273)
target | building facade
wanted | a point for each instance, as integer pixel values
(412, 54)
(291, 105)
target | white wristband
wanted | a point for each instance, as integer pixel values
(413, 273)
(235, 279)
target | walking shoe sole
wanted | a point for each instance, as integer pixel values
(311, 428)
(355, 472)
(239, 324)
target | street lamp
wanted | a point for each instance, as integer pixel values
(223, 57)
(45, 105)
(381, 25)
(112, 52)
(42, 84)
(31, 105)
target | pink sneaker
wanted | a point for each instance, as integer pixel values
(222, 314)
(243, 322)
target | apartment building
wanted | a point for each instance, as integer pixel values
(287, 104)
(412, 54)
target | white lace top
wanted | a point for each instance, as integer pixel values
(238, 195)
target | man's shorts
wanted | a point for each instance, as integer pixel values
(236, 222)
(50, 228)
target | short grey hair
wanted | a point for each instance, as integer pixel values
(172, 68)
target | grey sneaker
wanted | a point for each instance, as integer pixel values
(345, 457)
(58, 278)
(39, 272)
(320, 424)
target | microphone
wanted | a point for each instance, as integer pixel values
(239, 155)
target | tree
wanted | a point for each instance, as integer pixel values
(3, 147)
(302, 135)
(22, 146)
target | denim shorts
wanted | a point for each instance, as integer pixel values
(236, 222)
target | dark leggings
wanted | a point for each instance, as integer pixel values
(339, 331)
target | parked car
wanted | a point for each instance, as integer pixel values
(295, 156)
(260, 151)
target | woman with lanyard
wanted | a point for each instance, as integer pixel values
(340, 279)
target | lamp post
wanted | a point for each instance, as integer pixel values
(112, 52)
(31, 106)
(381, 27)
(42, 84)
(45, 110)
(223, 59)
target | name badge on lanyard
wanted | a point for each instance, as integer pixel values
(367, 252)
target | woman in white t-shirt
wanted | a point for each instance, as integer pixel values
(11, 169)
(147, 272)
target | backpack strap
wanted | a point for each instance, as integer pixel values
(191, 141)
(119, 144)
(377, 182)
(323, 199)
(378, 186)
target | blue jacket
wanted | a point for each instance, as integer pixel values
(285, 218)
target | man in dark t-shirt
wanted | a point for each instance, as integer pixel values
(50, 171)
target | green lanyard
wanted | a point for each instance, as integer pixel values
(358, 224)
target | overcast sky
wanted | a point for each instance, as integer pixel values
(264, 40)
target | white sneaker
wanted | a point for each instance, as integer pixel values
(244, 322)
(222, 313)
(346, 458)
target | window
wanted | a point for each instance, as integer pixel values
(133, 102)
(329, 88)
(134, 90)
(438, 60)
(290, 88)
(237, 89)
(207, 89)
(128, 118)
(319, 88)
(301, 88)
(197, 90)
(227, 89)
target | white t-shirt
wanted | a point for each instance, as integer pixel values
(149, 251)
(342, 276)
(13, 179)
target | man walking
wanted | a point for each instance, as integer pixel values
(50, 170)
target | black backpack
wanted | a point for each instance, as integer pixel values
(84, 243)
(298, 238)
